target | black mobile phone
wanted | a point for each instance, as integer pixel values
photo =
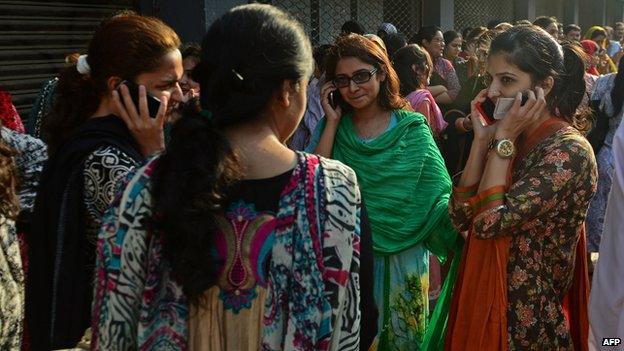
(335, 99)
(153, 103)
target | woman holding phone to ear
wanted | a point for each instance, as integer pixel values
(523, 198)
(403, 180)
(96, 136)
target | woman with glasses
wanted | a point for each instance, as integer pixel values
(445, 84)
(402, 177)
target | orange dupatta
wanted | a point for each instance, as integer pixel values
(478, 312)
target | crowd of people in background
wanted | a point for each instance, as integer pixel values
(255, 192)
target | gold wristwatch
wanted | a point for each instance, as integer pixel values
(504, 148)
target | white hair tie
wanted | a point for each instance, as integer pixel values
(82, 66)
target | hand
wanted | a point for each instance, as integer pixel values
(483, 132)
(520, 117)
(467, 123)
(332, 114)
(147, 131)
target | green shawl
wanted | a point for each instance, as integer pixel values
(403, 181)
(406, 187)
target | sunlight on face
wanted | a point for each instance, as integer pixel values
(507, 78)
(165, 79)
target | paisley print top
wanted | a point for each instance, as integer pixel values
(543, 211)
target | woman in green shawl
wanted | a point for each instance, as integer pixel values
(403, 181)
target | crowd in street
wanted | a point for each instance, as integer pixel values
(444, 191)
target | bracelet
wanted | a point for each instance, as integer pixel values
(469, 128)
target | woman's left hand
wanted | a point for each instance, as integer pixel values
(519, 117)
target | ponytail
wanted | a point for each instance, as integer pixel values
(189, 181)
(570, 87)
(76, 99)
(144, 41)
(246, 55)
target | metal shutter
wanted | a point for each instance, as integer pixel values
(35, 37)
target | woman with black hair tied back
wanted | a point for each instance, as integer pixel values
(229, 240)
(96, 135)
(523, 197)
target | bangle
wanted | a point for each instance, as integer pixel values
(469, 128)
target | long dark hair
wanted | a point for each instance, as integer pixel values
(534, 51)
(247, 54)
(125, 46)
(407, 56)
(354, 45)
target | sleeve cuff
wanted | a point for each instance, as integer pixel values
(487, 199)
(464, 193)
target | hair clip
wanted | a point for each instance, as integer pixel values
(238, 75)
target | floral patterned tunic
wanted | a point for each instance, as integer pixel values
(543, 211)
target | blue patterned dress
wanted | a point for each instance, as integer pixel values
(604, 160)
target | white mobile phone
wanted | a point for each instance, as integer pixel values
(503, 105)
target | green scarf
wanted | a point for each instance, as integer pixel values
(406, 187)
(403, 181)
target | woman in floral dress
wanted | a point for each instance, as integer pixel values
(523, 197)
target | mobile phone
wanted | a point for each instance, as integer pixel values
(486, 108)
(493, 112)
(153, 103)
(335, 99)
(503, 105)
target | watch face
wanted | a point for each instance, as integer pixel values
(505, 148)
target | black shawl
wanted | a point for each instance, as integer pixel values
(59, 284)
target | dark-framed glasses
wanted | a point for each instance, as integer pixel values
(359, 77)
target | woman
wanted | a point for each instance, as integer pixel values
(523, 197)
(592, 50)
(549, 24)
(414, 67)
(598, 35)
(453, 46)
(249, 244)
(94, 142)
(458, 137)
(444, 82)
(609, 95)
(402, 178)
(30, 155)
(11, 277)
(605, 303)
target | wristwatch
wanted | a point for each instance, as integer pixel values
(504, 148)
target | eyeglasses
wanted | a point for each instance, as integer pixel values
(359, 77)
